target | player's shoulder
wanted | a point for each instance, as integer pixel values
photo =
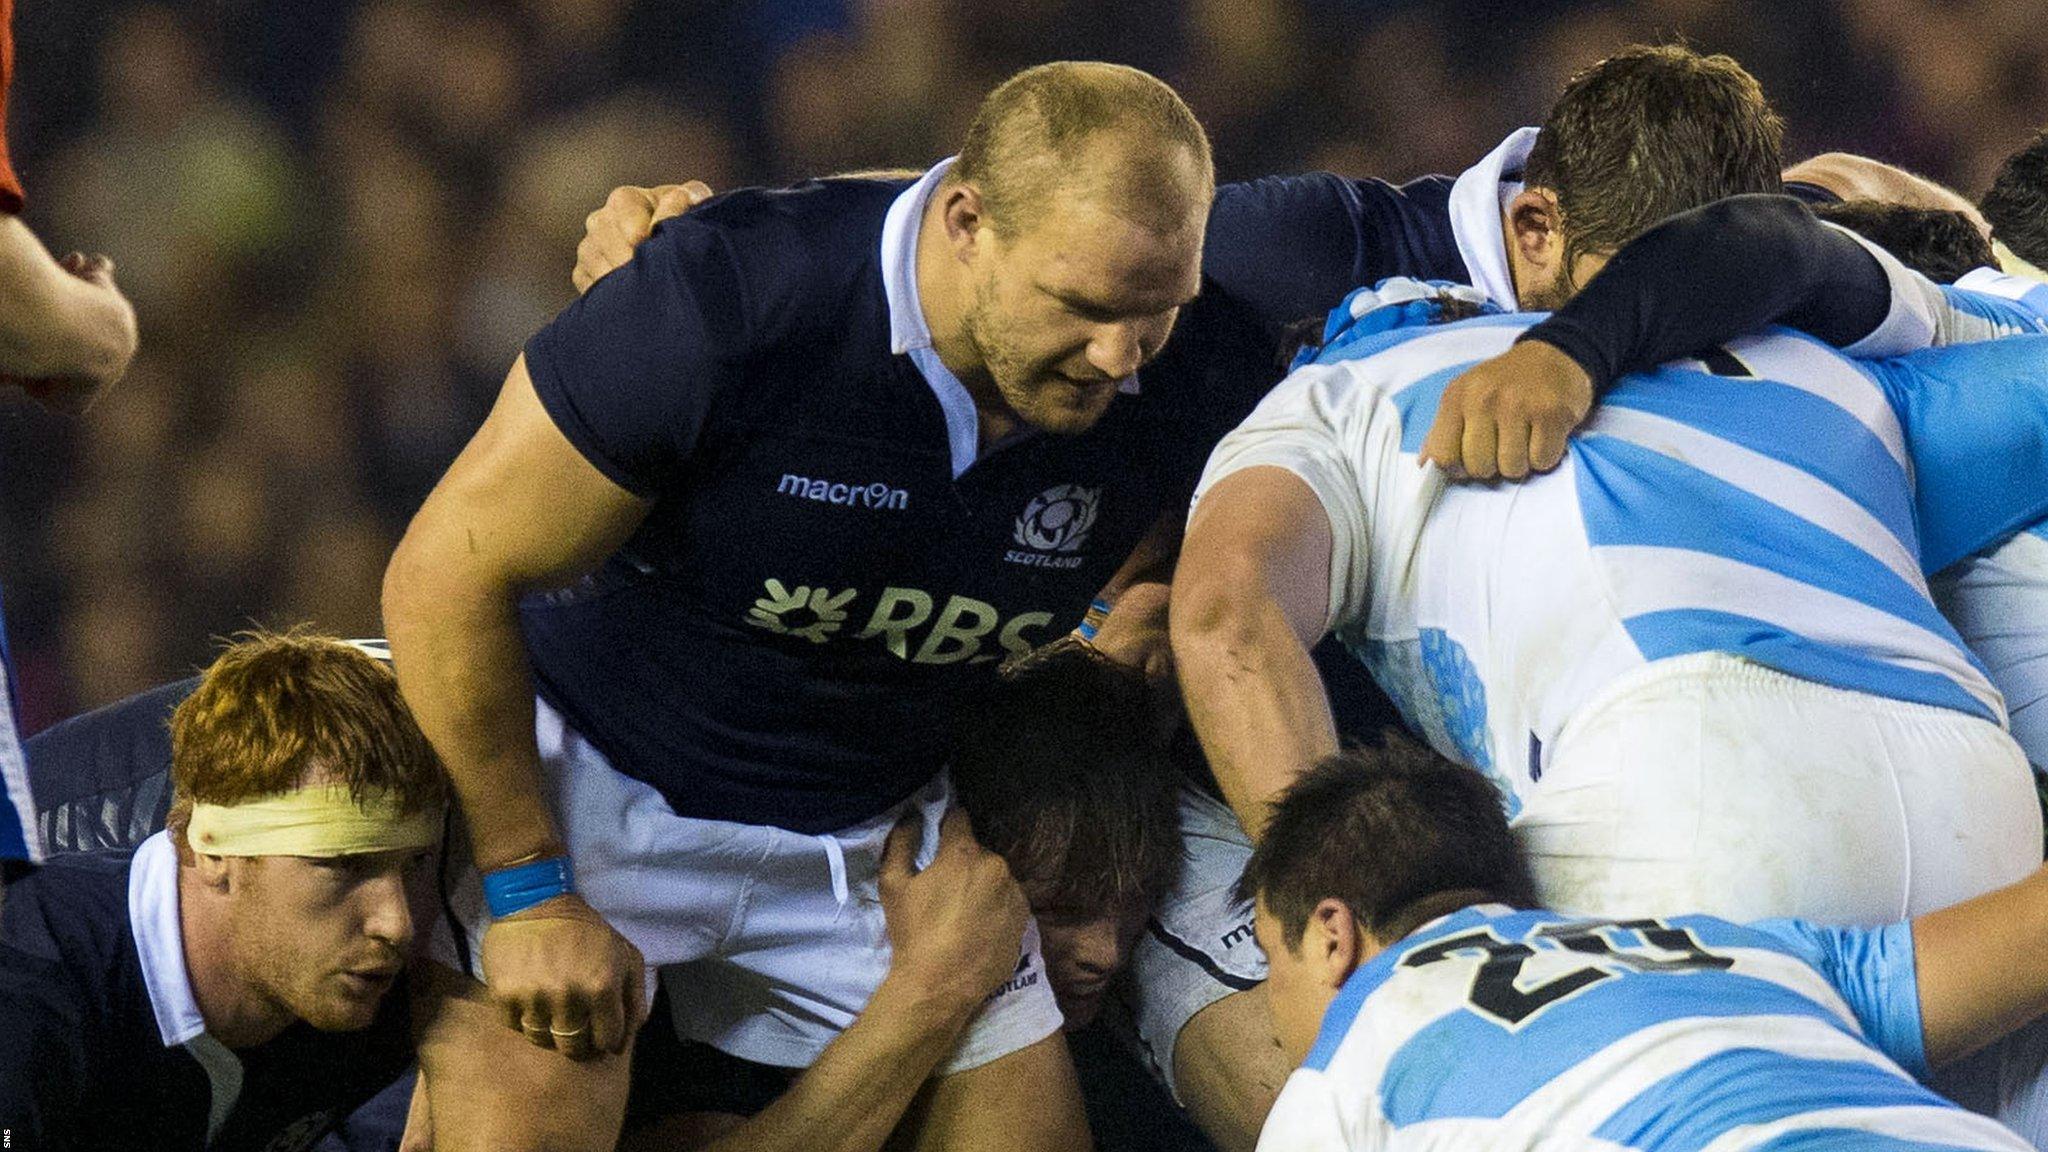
(2011, 304)
(1332, 192)
(72, 910)
(781, 240)
(815, 220)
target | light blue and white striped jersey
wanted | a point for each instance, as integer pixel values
(1504, 1030)
(1757, 503)
(2009, 305)
(1976, 421)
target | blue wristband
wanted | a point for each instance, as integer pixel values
(521, 886)
(1098, 611)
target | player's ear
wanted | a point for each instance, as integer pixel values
(212, 870)
(1335, 943)
(1536, 228)
(960, 206)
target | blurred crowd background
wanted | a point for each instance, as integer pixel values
(339, 221)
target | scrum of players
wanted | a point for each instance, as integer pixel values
(887, 622)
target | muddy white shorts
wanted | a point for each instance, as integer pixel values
(769, 941)
(1712, 784)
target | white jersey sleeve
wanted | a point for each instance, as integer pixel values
(1314, 426)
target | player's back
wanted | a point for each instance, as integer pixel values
(1756, 502)
(1503, 1030)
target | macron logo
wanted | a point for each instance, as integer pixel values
(876, 495)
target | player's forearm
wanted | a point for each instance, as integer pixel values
(1982, 968)
(56, 325)
(857, 1092)
(462, 666)
(1712, 274)
(1252, 693)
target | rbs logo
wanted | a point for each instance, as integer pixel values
(947, 634)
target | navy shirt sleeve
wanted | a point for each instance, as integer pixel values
(628, 371)
(1290, 247)
(1716, 273)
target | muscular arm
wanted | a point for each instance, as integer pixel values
(71, 332)
(1250, 597)
(1715, 273)
(519, 509)
(955, 928)
(864, 1081)
(1981, 968)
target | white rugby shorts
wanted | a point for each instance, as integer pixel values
(769, 941)
(1709, 783)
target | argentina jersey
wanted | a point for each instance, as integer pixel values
(1757, 502)
(1976, 419)
(1497, 1029)
(2000, 305)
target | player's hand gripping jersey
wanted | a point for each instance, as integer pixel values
(1506, 1030)
(1706, 631)
(1756, 502)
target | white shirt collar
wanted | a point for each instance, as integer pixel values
(909, 335)
(160, 940)
(1477, 201)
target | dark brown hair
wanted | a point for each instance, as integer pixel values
(1061, 777)
(1651, 131)
(2017, 204)
(1938, 244)
(1380, 828)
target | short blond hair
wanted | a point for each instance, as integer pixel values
(1029, 138)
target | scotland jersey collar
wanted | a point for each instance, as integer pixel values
(160, 940)
(909, 335)
(1477, 201)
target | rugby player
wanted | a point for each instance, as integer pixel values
(834, 450)
(101, 778)
(238, 980)
(1980, 551)
(1724, 578)
(1060, 776)
(1432, 1004)
(1338, 233)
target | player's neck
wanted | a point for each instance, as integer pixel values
(234, 1013)
(1432, 907)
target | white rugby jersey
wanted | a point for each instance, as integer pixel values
(1758, 502)
(1502, 1030)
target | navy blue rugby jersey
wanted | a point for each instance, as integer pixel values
(815, 592)
(83, 1065)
